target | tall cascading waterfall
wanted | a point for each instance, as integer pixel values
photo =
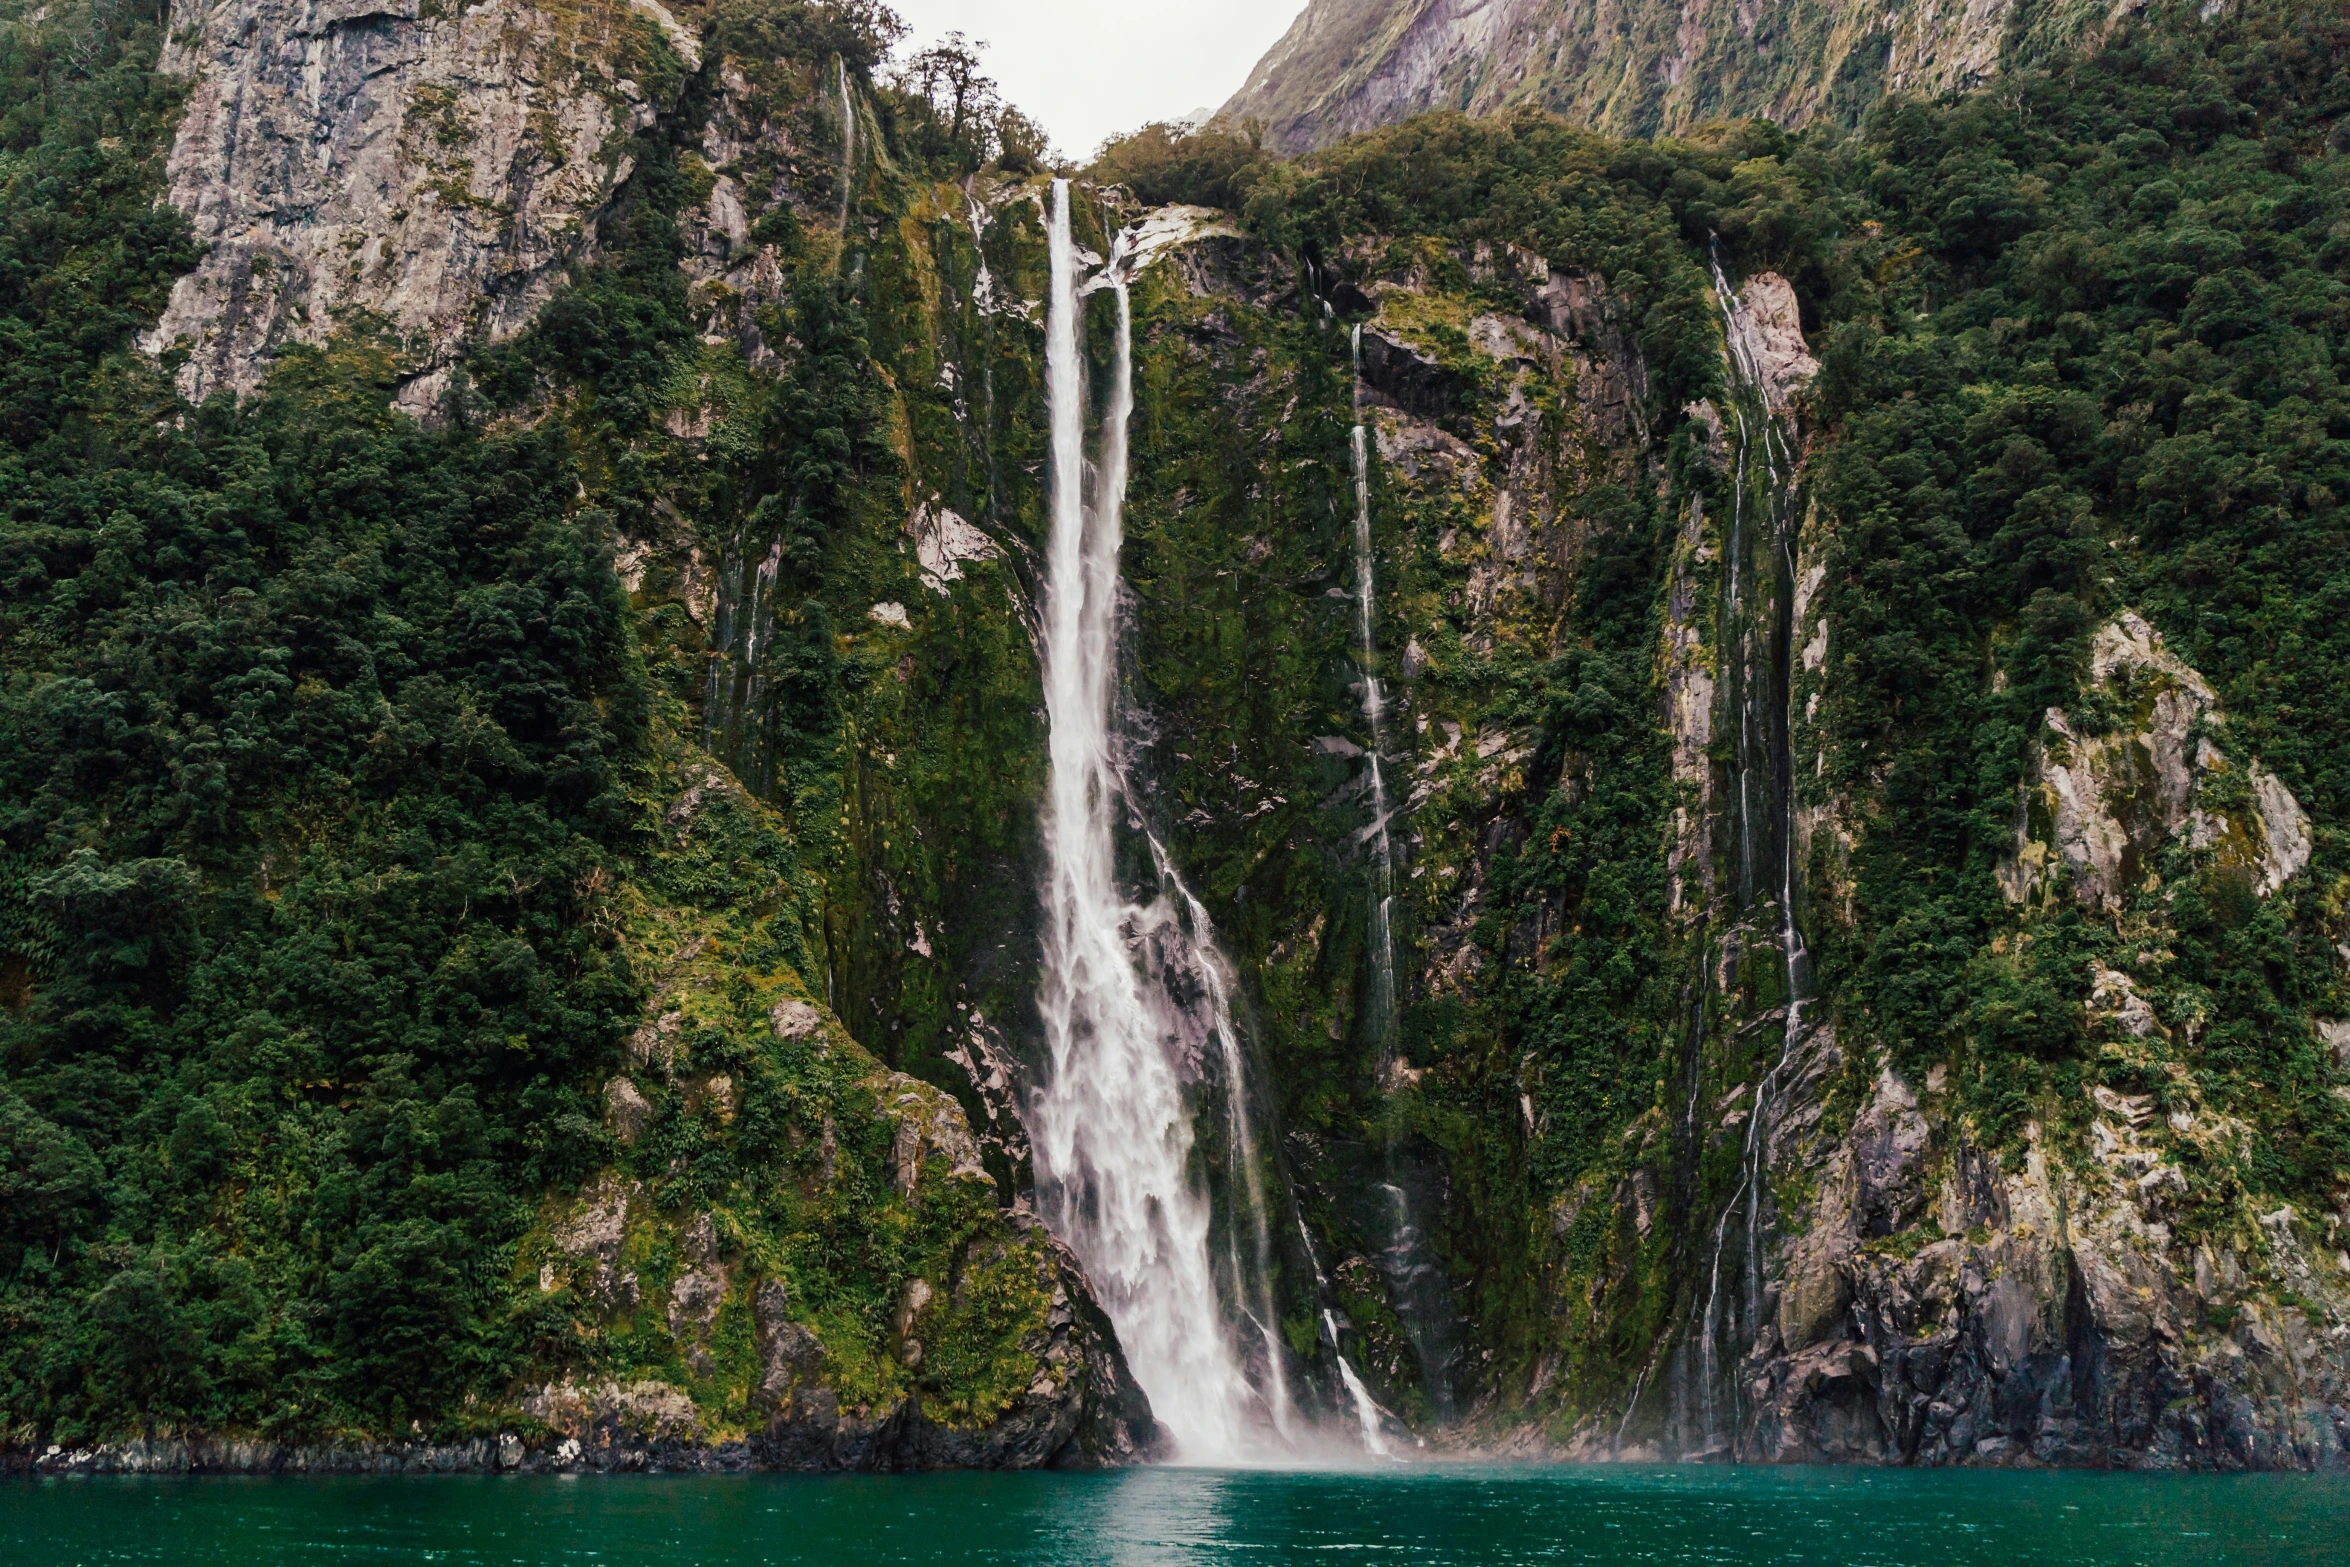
(1186, 946)
(1134, 995)
(1405, 1259)
(1763, 481)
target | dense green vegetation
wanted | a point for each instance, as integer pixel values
(337, 859)
(2082, 343)
(331, 791)
(313, 731)
(2085, 353)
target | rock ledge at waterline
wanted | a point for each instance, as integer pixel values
(652, 1428)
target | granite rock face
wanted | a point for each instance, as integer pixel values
(424, 170)
(1767, 333)
(2048, 1317)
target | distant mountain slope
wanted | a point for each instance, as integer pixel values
(1638, 67)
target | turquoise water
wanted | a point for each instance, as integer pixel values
(1491, 1517)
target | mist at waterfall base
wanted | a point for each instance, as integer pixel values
(1435, 1515)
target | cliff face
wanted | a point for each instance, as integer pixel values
(1866, 895)
(1348, 66)
(432, 169)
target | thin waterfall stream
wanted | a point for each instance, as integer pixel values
(1367, 1411)
(1375, 717)
(1406, 1261)
(1768, 457)
(848, 151)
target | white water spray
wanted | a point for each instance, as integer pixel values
(1368, 1414)
(1193, 951)
(1366, 1408)
(983, 285)
(1111, 1127)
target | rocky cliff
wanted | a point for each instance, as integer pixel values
(1347, 66)
(1864, 886)
(432, 170)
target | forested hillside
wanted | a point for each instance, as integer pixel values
(2064, 331)
(519, 828)
(354, 827)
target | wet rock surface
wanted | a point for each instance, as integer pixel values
(2056, 1324)
(2109, 796)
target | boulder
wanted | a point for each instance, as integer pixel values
(626, 1110)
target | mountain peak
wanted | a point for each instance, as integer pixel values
(1638, 67)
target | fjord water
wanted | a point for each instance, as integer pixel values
(1492, 1517)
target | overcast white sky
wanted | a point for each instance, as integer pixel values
(1088, 69)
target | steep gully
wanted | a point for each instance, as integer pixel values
(1758, 630)
(1405, 1260)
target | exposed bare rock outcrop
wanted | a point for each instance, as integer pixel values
(927, 1122)
(944, 544)
(2055, 1320)
(762, 149)
(592, 1239)
(428, 169)
(1406, 378)
(1767, 334)
(2110, 794)
(1586, 320)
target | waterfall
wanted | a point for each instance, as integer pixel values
(982, 285)
(1383, 997)
(734, 693)
(1197, 955)
(848, 149)
(1411, 1271)
(1130, 995)
(1769, 457)
(1367, 1411)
